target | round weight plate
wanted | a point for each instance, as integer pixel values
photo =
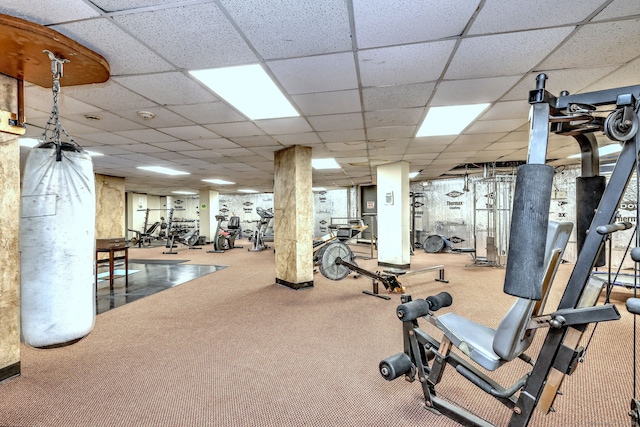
(328, 266)
(192, 240)
(433, 244)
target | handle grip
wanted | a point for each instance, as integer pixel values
(612, 228)
(633, 305)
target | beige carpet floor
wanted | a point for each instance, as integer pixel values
(233, 349)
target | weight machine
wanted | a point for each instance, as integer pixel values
(188, 236)
(336, 260)
(226, 239)
(144, 236)
(532, 259)
(260, 234)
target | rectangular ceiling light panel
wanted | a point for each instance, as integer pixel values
(218, 181)
(160, 169)
(449, 120)
(249, 89)
(324, 164)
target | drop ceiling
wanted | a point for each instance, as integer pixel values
(361, 73)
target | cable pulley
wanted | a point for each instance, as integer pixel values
(622, 124)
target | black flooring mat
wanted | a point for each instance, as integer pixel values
(148, 279)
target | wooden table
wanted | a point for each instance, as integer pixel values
(112, 246)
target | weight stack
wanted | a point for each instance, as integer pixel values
(528, 235)
(589, 191)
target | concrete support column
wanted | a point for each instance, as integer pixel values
(9, 238)
(110, 207)
(293, 217)
(209, 208)
(393, 215)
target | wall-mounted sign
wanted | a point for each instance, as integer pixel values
(388, 198)
(371, 204)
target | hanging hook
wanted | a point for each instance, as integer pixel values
(56, 64)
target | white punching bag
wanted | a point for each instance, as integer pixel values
(57, 243)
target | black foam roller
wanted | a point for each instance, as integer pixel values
(412, 310)
(589, 191)
(528, 235)
(394, 366)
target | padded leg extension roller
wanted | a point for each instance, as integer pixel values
(394, 366)
(528, 235)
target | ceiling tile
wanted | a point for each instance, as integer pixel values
(299, 138)
(403, 96)
(627, 75)
(182, 146)
(119, 5)
(253, 141)
(45, 12)
(195, 154)
(407, 21)
(346, 146)
(210, 40)
(316, 73)
(189, 132)
(108, 122)
(618, 9)
(41, 99)
(488, 126)
(214, 143)
(293, 28)
(504, 54)
(377, 133)
(163, 117)
(620, 35)
(142, 148)
(316, 104)
(472, 91)
(234, 152)
(167, 88)
(284, 126)
(124, 53)
(231, 130)
(466, 146)
(110, 150)
(506, 146)
(143, 159)
(499, 16)
(108, 96)
(146, 135)
(214, 112)
(334, 122)
(341, 136)
(109, 138)
(507, 110)
(400, 117)
(404, 64)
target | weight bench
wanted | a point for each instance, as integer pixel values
(141, 237)
(484, 346)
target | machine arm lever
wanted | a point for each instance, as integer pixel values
(612, 228)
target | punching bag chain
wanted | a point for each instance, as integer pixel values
(54, 127)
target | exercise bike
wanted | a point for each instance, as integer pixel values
(261, 234)
(226, 239)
